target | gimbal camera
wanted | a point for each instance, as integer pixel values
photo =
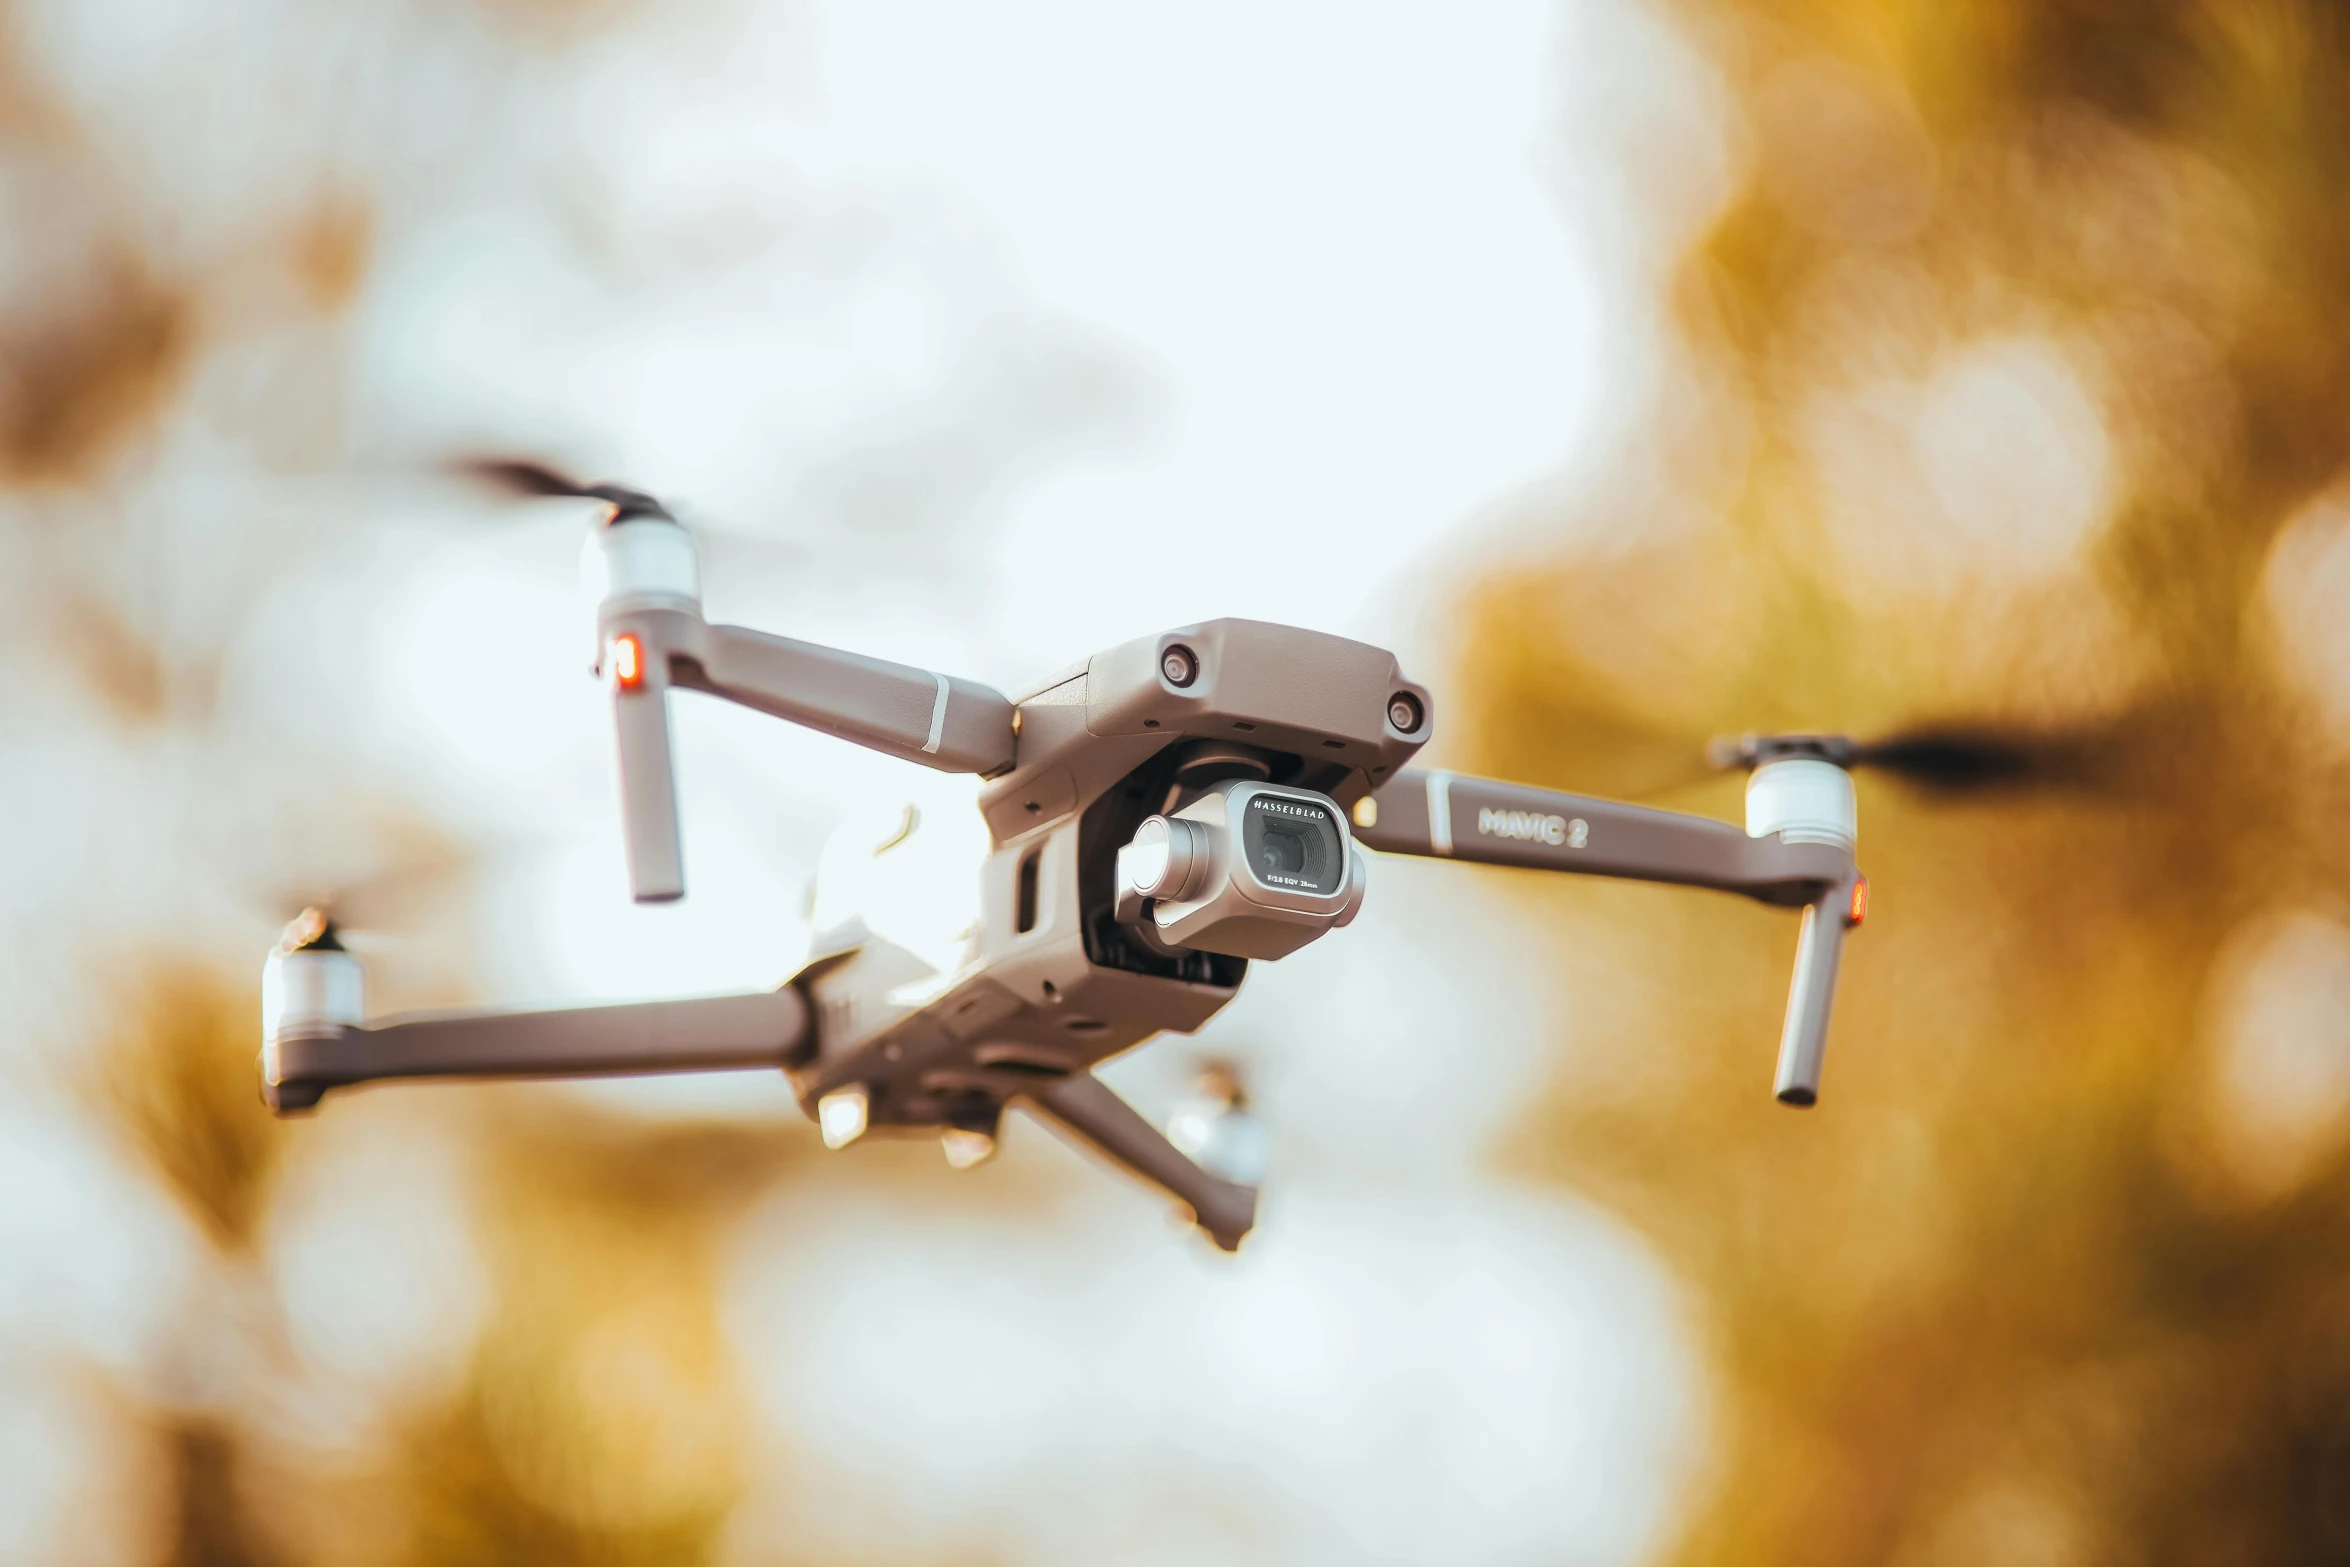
(1158, 815)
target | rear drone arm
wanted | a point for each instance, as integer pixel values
(1088, 1110)
(312, 1048)
(651, 636)
(1807, 863)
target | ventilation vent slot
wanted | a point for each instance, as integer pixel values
(1024, 902)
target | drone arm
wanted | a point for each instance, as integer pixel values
(1818, 949)
(1477, 819)
(648, 789)
(707, 1034)
(941, 721)
(938, 720)
(1451, 816)
(1081, 1105)
(650, 635)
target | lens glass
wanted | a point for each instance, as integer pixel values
(1283, 853)
(1293, 844)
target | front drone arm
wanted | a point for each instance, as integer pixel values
(1088, 1109)
(1804, 862)
(941, 721)
(305, 1055)
(650, 635)
(1491, 823)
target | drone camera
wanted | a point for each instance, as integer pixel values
(1249, 869)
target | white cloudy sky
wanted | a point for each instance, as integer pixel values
(977, 339)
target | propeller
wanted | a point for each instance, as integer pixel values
(393, 901)
(312, 930)
(347, 918)
(527, 478)
(1214, 1127)
(1960, 758)
(534, 480)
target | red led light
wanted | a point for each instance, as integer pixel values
(628, 661)
(1860, 901)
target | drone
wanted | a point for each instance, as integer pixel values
(1158, 817)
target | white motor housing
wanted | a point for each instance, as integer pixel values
(1803, 800)
(308, 993)
(642, 563)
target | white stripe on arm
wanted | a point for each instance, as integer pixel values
(1440, 812)
(938, 717)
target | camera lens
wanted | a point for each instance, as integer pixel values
(1283, 852)
(1294, 843)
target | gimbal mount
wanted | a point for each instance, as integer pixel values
(1158, 816)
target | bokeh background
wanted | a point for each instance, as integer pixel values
(1639, 370)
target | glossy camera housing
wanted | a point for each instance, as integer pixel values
(1254, 870)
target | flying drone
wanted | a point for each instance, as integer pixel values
(1158, 817)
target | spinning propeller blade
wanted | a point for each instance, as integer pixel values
(394, 901)
(533, 480)
(1956, 758)
(312, 930)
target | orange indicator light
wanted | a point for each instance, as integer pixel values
(1860, 901)
(628, 661)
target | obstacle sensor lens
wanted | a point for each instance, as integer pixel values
(1403, 711)
(1180, 665)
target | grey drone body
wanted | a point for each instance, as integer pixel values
(1156, 817)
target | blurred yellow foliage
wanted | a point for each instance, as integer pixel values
(176, 1082)
(2014, 351)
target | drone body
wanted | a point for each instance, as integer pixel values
(1157, 817)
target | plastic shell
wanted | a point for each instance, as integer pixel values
(644, 563)
(305, 994)
(311, 990)
(1802, 801)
